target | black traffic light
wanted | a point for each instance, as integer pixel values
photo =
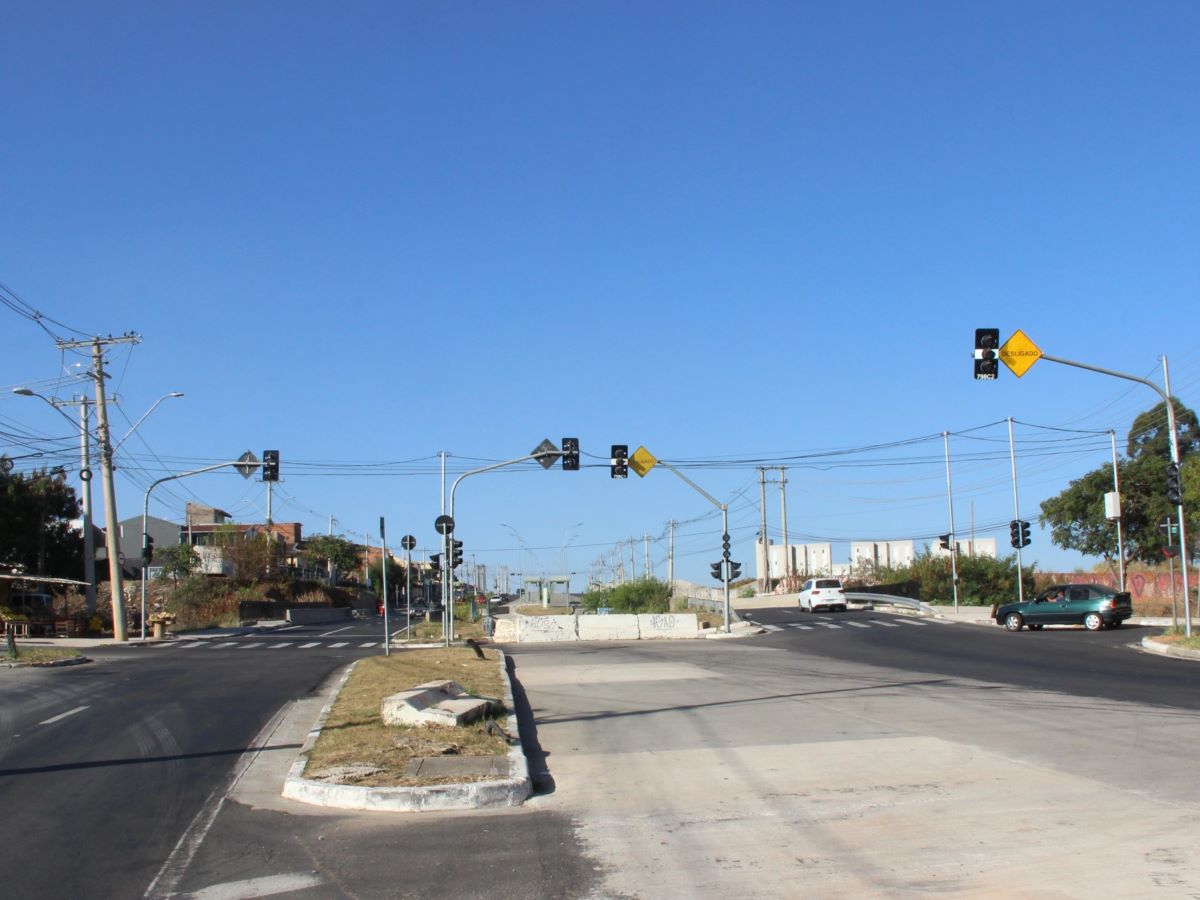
(735, 570)
(270, 470)
(435, 563)
(1014, 533)
(1025, 534)
(456, 554)
(716, 570)
(147, 549)
(944, 541)
(1174, 490)
(570, 454)
(619, 462)
(987, 344)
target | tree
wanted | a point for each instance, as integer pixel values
(35, 524)
(177, 560)
(1149, 434)
(332, 552)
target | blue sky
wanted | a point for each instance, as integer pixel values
(734, 233)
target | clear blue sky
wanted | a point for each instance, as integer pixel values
(365, 233)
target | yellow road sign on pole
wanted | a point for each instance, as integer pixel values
(642, 461)
(1019, 353)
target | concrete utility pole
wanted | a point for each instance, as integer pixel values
(787, 550)
(646, 553)
(1012, 455)
(953, 536)
(111, 521)
(765, 581)
(671, 556)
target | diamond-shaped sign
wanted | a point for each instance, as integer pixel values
(247, 464)
(546, 452)
(642, 461)
(1019, 353)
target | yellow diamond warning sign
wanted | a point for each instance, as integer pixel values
(642, 461)
(1019, 353)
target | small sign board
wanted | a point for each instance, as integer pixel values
(642, 461)
(546, 452)
(444, 525)
(1019, 353)
(408, 542)
(247, 464)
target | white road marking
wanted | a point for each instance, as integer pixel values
(267, 886)
(313, 644)
(335, 631)
(164, 883)
(188, 645)
(61, 716)
(858, 624)
(885, 624)
(800, 627)
(165, 644)
(277, 646)
(249, 646)
(828, 625)
(369, 644)
(341, 644)
(911, 622)
(226, 644)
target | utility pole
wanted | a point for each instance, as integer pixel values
(112, 528)
(1012, 455)
(765, 587)
(787, 550)
(646, 553)
(953, 536)
(671, 556)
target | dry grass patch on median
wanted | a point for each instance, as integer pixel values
(354, 734)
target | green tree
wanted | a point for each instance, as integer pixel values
(332, 552)
(177, 560)
(1149, 434)
(35, 524)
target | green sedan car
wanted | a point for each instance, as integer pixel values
(1094, 606)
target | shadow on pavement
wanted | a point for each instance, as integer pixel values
(539, 773)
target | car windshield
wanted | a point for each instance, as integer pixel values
(828, 583)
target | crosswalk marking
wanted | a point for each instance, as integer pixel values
(188, 645)
(858, 624)
(369, 644)
(160, 646)
(339, 644)
(226, 644)
(277, 646)
(312, 644)
(884, 624)
(249, 646)
(911, 622)
(769, 627)
(800, 627)
(829, 625)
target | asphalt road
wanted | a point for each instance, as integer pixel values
(883, 758)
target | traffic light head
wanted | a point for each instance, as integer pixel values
(570, 454)
(987, 345)
(456, 553)
(1025, 541)
(270, 465)
(1014, 533)
(147, 549)
(619, 461)
(944, 541)
(435, 563)
(735, 570)
(716, 570)
(1174, 489)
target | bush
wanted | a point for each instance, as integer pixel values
(648, 595)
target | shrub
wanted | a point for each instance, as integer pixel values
(647, 595)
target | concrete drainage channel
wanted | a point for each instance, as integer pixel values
(509, 790)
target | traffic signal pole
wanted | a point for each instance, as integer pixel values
(1012, 456)
(1166, 397)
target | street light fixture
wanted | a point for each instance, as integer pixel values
(145, 415)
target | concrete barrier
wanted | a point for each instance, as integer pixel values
(664, 625)
(618, 627)
(505, 629)
(315, 615)
(532, 629)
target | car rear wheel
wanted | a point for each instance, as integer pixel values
(1013, 621)
(1093, 621)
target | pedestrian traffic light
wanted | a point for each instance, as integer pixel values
(1014, 533)
(270, 469)
(435, 563)
(147, 549)
(944, 541)
(570, 454)
(735, 570)
(1174, 490)
(619, 462)
(456, 554)
(987, 364)
(1025, 534)
(716, 570)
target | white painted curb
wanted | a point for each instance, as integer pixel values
(510, 791)
(1162, 649)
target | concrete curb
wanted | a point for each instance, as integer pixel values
(511, 791)
(53, 664)
(1149, 643)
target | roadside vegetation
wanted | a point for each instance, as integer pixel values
(37, 655)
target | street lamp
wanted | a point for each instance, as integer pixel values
(566, 569)
(85, 478)
(145, 415)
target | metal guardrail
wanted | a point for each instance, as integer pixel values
(890, 600)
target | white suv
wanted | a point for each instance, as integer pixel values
(822, 593)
